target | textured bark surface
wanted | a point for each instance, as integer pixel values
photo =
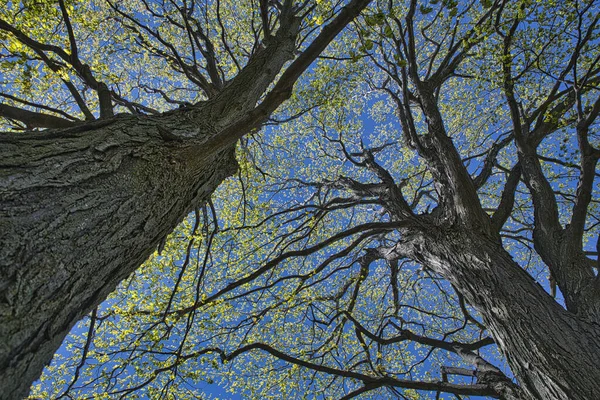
(553, 353)
(79, 213)
(82, 208)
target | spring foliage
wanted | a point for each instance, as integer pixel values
(279, 287)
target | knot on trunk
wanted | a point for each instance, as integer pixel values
(498, 382)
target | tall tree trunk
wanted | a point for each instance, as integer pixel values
(79, 213)
(82, 208)
(553, 353)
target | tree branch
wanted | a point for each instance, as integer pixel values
(474, 390)
(34, 119)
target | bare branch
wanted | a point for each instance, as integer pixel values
(34, 119)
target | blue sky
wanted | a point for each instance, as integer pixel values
(273, 150)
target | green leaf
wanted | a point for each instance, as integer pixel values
(388, 32)
(370, 20)
(425, 10)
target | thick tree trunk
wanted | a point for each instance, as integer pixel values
(78, 214)
(82, 208)
(553, 353)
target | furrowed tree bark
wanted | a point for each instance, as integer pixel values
(553, 353)
(82, 212)
(82, 208)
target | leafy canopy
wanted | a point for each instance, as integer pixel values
(280, 287)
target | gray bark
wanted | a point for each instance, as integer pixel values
(553, 353)
(79, 214)
(82, 208)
